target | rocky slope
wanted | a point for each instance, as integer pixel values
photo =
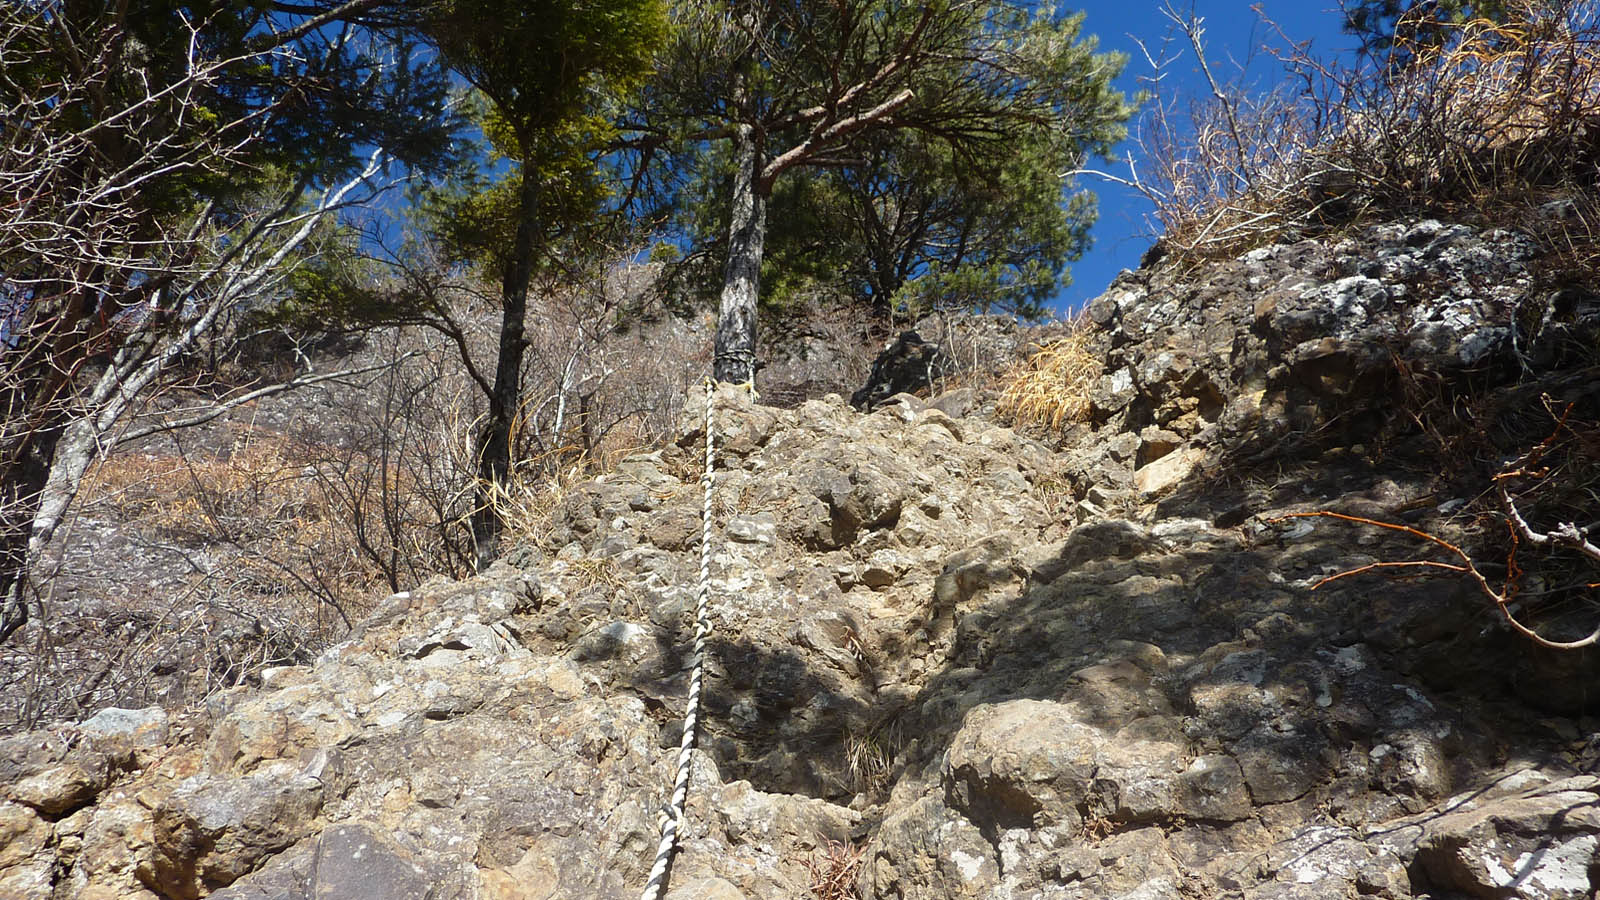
(998, 668)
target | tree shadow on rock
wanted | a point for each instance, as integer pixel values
(1363, 699)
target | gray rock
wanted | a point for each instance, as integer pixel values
(60, 789)
(955, 403)
(1213, 788)
(1021, 764)
(907, 365)
(1279, 765)
(1114, 392)
(358, 862)
(973, 569)
(144, 727)
(212, 830)
(676, 529)
(760, 528)
(928, 852)
(1543, 844)
(1292, 337)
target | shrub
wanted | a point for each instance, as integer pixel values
(1052, 388)
(1493, 123)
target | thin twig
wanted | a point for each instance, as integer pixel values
(1501, 600)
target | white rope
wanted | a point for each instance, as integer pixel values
(672, 814)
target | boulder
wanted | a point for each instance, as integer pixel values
(990, 667)
(908, 365)
(1540, 845)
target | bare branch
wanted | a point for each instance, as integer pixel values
(821, 136)
(299, 381)
(1467, 566)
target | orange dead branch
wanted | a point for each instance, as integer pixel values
(1540, 472)
(1467, 566)
(1526, 465)
(1325, 514)
(1428, 563)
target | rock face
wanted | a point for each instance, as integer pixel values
(1311, 344)
(909, 364)
(994, 669)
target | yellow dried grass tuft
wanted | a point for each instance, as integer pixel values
(1052, 388)
(527, 504)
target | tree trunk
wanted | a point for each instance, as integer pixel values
(22, 479)
(741, 278)
(45, 462)
(32, 403)
(494, 441)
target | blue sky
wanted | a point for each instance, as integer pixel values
(1234, 34)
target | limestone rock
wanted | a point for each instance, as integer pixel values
(1167, 472)
(1542, 844)
(31, 877)
(212, 830)
(926, 851)
(761, 528)
(995, 668)
(1021, 764)
(139, 727)
(707, 889)
(1293, 336)
(59, 789)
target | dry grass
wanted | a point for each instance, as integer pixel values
(526, 506)
(590, 571)
(869, 760)
(260, 484)
(1052, 388)
(1055, 492)
(262, 497)
(193, 572)
(835, 872)
(1490, 125)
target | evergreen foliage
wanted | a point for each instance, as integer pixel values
(907, 155)
(551, 73)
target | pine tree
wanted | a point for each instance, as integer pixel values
(544, 68)
(886, 94)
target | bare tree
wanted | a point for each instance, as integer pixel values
(137, 213)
